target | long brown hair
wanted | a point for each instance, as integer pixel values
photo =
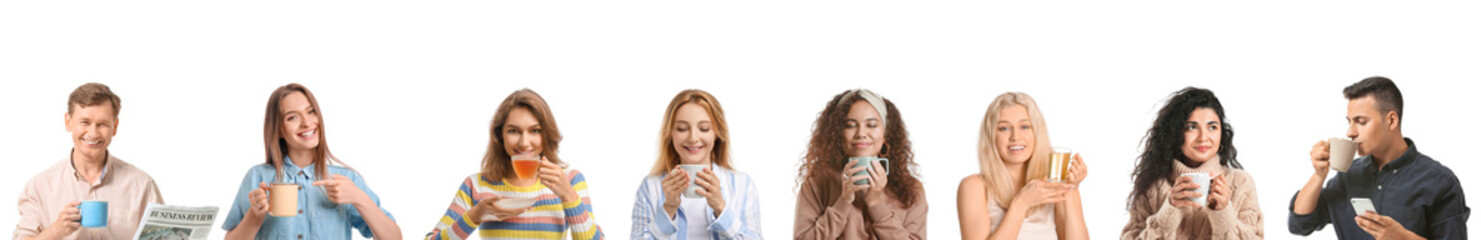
(496, 162)
(826, 153)
(667, 157)
(272, 131)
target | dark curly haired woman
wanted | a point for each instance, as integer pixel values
(1191, 139)
(857, 178)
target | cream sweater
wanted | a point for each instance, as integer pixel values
(1152, 217)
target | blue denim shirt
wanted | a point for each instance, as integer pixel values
(318, 218)
(1414, 190)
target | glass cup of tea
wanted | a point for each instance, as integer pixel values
(525, 166)
(1059, 164)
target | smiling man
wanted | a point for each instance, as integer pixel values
(1415, 197)
(49, 203)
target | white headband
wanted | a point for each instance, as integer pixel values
(873, 99)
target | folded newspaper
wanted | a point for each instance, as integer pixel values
(167, 222)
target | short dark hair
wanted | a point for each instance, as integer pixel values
(93, 94)
(1384, 93)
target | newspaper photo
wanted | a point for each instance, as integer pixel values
(167, 222)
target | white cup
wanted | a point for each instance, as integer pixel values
(1202, 179)
(693, 170)
(1340, 152)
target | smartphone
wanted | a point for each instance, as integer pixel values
(1362, 205)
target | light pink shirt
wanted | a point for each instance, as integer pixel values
(127, 189)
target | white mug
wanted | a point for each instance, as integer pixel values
(1202, 179)
(693, 170)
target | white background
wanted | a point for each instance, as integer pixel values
(408, 89)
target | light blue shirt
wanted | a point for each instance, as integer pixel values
(318, 218)
(741, 218)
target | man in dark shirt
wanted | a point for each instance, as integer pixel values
(1414, 197)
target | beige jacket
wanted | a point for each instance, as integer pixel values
(1152, 217)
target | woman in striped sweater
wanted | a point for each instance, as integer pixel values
(497, 200)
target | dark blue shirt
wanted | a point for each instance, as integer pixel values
(1414, 190)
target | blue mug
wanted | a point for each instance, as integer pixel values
(865, 162)
(94, 214)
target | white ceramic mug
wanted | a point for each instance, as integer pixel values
(693, 170)
(1202, 179)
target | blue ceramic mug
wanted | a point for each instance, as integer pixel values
(94, 214)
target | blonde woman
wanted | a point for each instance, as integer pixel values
(1010, 198)
(724, 204)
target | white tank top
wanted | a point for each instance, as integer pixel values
(1036, 225)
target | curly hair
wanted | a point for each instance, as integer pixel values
(826, 153)
(1164, 141)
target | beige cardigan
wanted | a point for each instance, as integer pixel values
(1152, 217)
(889, 220)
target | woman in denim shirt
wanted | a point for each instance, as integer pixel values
(331, 199)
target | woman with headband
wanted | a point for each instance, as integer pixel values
(856, 179)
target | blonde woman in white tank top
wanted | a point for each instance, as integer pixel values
(1011, 197)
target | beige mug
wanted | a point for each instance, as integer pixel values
(283, 201)
(1340, 152)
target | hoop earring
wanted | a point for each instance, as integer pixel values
(884, 151)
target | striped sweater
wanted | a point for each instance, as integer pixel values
(549, 218)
